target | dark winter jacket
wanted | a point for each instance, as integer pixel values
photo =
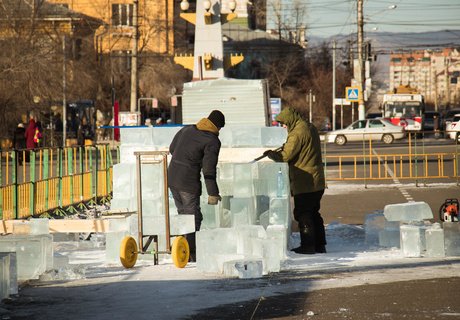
(195, 148)
(302, 151)
(19, 138)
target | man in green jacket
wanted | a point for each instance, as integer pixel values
(302, 152)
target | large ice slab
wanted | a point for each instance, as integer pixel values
(163, 136)
(412, 240)
(434, 236)
(136, 136)
(410, 211)
(4, 275)
(34, 254)
(244, 268)
(452, 238)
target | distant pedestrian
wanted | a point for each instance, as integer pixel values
(159, 122)
(148, 122)
(20, 141)
(30, 132)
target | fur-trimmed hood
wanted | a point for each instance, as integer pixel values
(206, 125)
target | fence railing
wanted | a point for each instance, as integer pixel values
(54, 180)
(412, 162)
(66, 180)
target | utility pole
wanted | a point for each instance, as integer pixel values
(133, 100)
(334, 46)
(64, 102)
(361, 107)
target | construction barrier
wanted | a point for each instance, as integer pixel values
(376, 163)
(54, 180)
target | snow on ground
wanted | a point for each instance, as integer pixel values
(166, 289)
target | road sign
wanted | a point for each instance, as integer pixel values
(341, 102)
(352, 94)
(275, 105)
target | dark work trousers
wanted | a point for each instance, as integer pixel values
(311, 224)
(189, 203)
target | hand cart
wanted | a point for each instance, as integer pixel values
(179, 250)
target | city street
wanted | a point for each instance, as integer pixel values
(349, 281)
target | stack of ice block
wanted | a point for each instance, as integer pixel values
(34, 254)
(412, 229)
(225, 250)
(251, 199)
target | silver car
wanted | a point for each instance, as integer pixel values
(368, 129)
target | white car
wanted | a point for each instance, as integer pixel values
(453, 128)
(368, 129)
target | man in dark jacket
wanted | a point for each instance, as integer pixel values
(302, 152)
(194, 149)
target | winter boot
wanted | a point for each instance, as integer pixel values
(191, 239)
(306, 242)
(320, 248)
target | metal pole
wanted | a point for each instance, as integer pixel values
(361, 107)
(334, 45)
(140, 230)
(341, 114)
(64, 102)
(310, 103)
(133, 100)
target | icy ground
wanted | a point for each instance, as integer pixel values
(166, 292)
(172, 293)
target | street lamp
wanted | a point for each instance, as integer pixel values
(207, 5)
(184, 5)
(361, 74)
(232, 5)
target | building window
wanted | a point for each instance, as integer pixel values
(122, 14)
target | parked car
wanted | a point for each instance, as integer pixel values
(374, 115)
(368, 129)
(453, 128)
(448, 117)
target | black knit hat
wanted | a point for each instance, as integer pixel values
(217, 118)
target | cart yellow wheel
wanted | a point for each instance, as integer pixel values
(180, 252)
(128, 252)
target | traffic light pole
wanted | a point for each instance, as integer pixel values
(361, 106)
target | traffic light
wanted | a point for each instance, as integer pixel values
(367, 51)
(207, 59)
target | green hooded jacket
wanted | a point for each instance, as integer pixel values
(302, 151)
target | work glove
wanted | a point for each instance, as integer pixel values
(213, 200)
(270, 154)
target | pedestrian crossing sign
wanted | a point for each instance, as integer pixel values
(352, 94)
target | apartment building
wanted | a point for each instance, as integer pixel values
(156, 20)
(435, 73)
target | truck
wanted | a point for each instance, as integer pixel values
(405, 106)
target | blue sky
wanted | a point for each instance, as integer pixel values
(325, 18)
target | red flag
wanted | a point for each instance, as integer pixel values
(116, 132)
